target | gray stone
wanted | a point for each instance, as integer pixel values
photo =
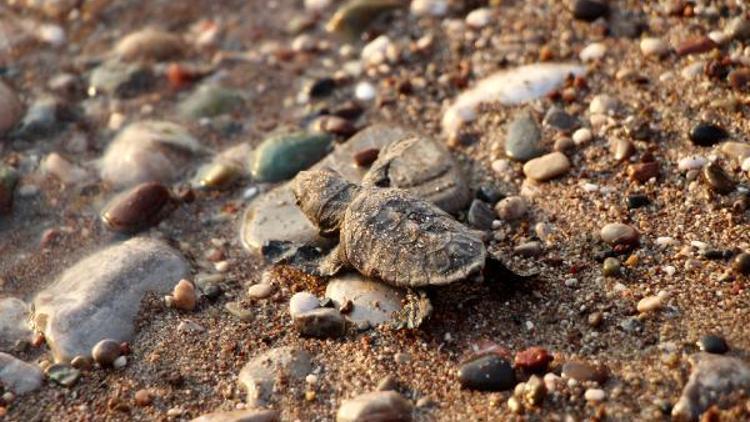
(209, 100)
(123, 80)
(374, 302)
(14, 325)
(148, 150)
(712, 381)
(523, 140)
(378, 406)
(252, 415)
(18, 376)
(480, 215)
(149, 44)
(258, 377)
(99, 297)
(547, 167)
(559, 119)
(41, 119)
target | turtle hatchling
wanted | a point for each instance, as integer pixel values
(389, 234)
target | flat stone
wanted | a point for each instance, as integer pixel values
(559, 119)
(619, 234)
(736, 150)
(711, 343)
(18, 376)
(547, 167)
(480, 215)
(523, 139)
(14, 325)
(712, 381)
(252, 415)
(374, 302)
(302, 302)
(99, 297)
(149, 44)
(258, 377)
(281, 157)
(123, 80)
(378, 406)
(695, 45)
(209, 100)
(41, 118)
(581, 371)
(11, 108)
(487, 373)
(321, 323)
(146, 151)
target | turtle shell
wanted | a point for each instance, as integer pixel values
(406, 241)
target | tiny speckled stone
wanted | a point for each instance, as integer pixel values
(547, 167)
(533, 359)
(511, 208)
(713, 344)
(611, 267)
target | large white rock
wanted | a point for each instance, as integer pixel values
(259, 375)
(148, 151)
(18, 376)
(374, 302)
(14, 325)
(99, 297)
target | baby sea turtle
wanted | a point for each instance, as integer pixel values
(389, 234)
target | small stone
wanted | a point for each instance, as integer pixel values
(713, 344)
(18, 376)
(335, 125)
(149, 44)
(589, 10)
(82, 362)
(523, 139)
(713, 380)
(654, 47)
(143, 398)
(321, 323)
(707, 134)
(281, 157)
(739, 79)
(515, 406)
(738, 151)
(643, 172)
(120, 362)
(429, 7)
(611, 267)
(139, 208)
(389, 383)
(209, 100)
(480, 215)
(479, 18)
(42, 118)
(354, 16)
(302, 302)
(528, 249)
(693, 162)
(489, 194)
(695, 45)
(375, 406)
(533, 359)
(582, 372)
(595, 394)
(621, 149)
(534, 391)
(247, 415)
(738, 28)
(511, 208)
(487, 373)
(105, 352)
(595, 319)
(184, 295)
(619, 234)
(741, 263)
(603, 104)
(366, 157)
(547, 167)
(649, 304)
(68, 173)
(593, 52)
(63, 374)
(582, 136)
(638, 201)
(123, 80)
(559, 119)
(365, 91)
(260, 291)
(718, 179)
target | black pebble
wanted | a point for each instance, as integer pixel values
(321, 88)
(707, 134)
(589, 10)
(481, 215)
(713, 344)
(489, 194)
(638, 201)
(487, 373)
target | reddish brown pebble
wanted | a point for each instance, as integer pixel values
(336, 125)
(533, 359)
(643, 172)
(137, 208)
(739, 78)
(695, 45)
(143, 398)
(184, 295)
(38, 340)
(366, 157)
(581, 371)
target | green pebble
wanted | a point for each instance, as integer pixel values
(281, 157)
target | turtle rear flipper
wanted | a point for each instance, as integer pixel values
(496, 272)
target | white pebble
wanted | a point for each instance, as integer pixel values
(693, 162)
(120, 362)
(593, 52)
(603, 104)
(479, 18)
(51, 34)
(698, 244)
(719, 37)
(500, 166)
(590, 187)
(550, 381)
(655, 47)
(745, 164)
(311, 379)
(693, 70)
(376, 51)
(571, 282)
(364, 91)
(665, 241)
(595, 394)
(317, 5)
(582, 136)
(429, 7)
(222, 266)
(302, 302)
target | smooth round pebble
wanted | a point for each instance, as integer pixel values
(654, 47)
(184, 295)
(650, 304)
(302, 302)
(260, 290)
(582, 136)
(547, 167)
(711, 343)
(487, 373)
(619, 234)
(511, 208)
(595, 394)
(106, 352)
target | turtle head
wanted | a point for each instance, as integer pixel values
(323, 195)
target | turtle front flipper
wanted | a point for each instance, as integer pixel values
(332, 263)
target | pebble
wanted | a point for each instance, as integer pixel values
(122, 80)
(741, 263)
(595, 394)
(184, 296)
(718, 179)
(559, 119)
(13, 323)
(589, 10)
(366, 157)
(582, 136)
(582, 372)
(611, 267)
(713, 378)
(619, 234)
(302, 302)
(479, 18)
(354, 16)
(260, 290)
(143, 398)
(654, 47)
(86, 303)
(707, 134)
(429, 7)
(378, 51)
(739, 79)
(63, 374)
(11, 108)
(638, 201)
(650, 304)
(643, 172)
(68, 173)
(480, 215)
(604, 104)
(487, 373)
(247, 415)
(375, 406)
(621, 149)
(523, 139)
(713, 344)
(738, 28)
(281, 157)
(528, 249)
(374, 303)
(693, 162)
(592, 52)
(18, 376)
(365, 91)
(137, 209)
(209, 100)
(547, 167)
(511, 208)
(534, 359)
(695, 45)
(320, 323)
(105, 352)
(42, 118)
(149, 44)
(317, 5)
(738, 151)
(260, 375)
